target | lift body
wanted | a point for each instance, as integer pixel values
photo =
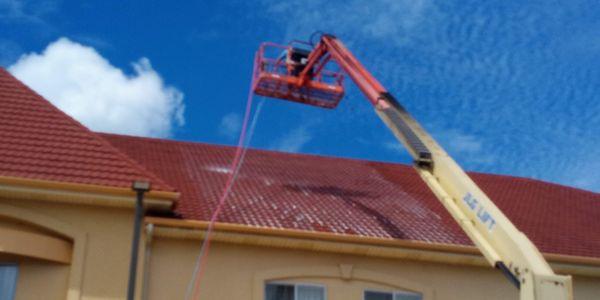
(500, 242)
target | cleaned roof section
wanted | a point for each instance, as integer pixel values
(38, 141)
(358, 197)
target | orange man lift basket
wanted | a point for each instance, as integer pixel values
(276, 75)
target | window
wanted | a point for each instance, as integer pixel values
(8, 281)
(396, 295)
(291, 291)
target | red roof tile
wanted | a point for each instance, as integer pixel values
(358, 197)
(39, 141)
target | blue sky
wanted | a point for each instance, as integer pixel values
(507, 87)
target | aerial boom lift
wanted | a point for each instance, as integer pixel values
(303, 75)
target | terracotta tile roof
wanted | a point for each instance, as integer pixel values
(38, 141)
(359, 197)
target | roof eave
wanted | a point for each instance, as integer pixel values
(354, 244)
(89, 194)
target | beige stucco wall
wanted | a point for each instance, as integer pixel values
(239, 272)
(42, 280)
(52, 276)
(233, 272)
(105, 241)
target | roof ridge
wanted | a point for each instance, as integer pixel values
(268, 151)
(309, 155)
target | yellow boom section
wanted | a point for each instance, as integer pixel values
(502, 244)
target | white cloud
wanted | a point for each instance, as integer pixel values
(460, 142)
(465, 148)
(86, 86)
(392, 20)
(393, 146)
(582, 168)
(230, 125)
(26, 11)
(294, 140)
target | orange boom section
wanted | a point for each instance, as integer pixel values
(277, 70)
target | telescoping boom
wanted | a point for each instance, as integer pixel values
(300, 74)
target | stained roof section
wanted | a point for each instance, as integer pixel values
(364, 198)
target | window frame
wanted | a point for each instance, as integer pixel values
(295, 285)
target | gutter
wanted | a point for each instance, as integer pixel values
(352, 244)
(64, 192)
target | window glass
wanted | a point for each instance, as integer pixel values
(8, 281)
(276, 291)
(308, 292)
(400, 295)
(407, 296)
(289, 291)
(372, 295)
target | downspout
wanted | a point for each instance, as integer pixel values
(146, 266)
(140, 187)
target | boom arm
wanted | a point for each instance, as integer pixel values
(502, 244)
